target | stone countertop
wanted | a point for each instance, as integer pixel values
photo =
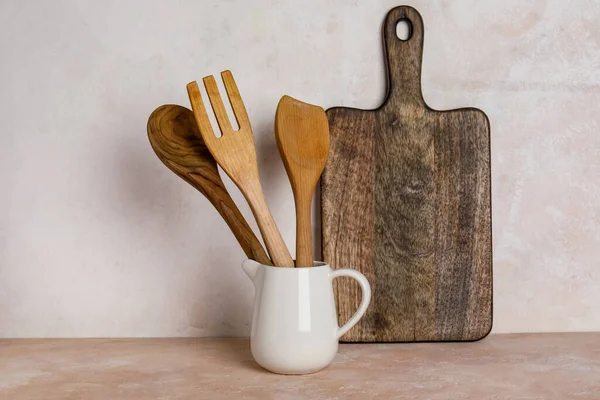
(517, 366)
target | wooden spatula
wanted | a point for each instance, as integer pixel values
(177, 143)
(236, 154)
(302, 134)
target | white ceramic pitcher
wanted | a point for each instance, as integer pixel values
(294, 326)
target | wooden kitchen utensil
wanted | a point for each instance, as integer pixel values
(302, 134)
(234, 151)
(177, 143)
(406, 200)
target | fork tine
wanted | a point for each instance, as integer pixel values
(199, 111)
(217, 104)
(239, 110)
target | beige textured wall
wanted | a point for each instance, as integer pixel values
(97, 238)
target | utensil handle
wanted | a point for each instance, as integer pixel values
(404, 57)
(304, 245)
(225, 205)
(268, 228)
(364, 303)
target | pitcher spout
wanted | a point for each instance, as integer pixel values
(251, 268)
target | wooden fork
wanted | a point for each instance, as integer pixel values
(234, 151)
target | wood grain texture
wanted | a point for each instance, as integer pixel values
(302, 134)
(406, 201)
(235, 152)
(176, 141)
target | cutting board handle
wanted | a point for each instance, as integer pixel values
(403, 56)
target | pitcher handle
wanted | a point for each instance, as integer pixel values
(366, 297)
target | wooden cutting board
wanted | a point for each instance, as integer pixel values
(406, 201)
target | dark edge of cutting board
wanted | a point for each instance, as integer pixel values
(397, 14)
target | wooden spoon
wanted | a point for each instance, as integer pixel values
(302, 134)
(176, 141)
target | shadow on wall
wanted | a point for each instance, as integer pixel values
(273, 177)
(150, 208)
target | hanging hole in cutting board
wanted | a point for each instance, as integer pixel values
(404, 29)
